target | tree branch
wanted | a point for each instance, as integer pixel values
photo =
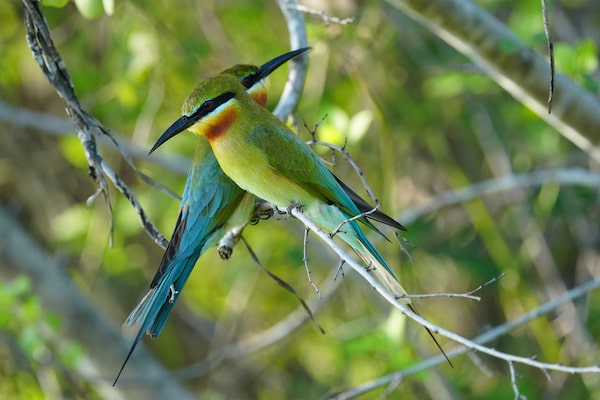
(514, 66)
(467, 344)
(486, 337)
(297, 73)
(88, 128)
(63, 127)
(566, 176)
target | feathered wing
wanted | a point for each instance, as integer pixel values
(365, 207)
(210, 199)
(291, 158)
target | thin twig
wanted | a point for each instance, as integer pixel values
(316, 142)
(339, 270)
(327, 20)
(348, 220)
(467, 295)
(390, 298)
(305, 259)
(550, 43)
(283, 284)
(158, 238)
(513, 382)
(401, 240)
(486, 337)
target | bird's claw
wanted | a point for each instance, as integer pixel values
(263, 211)
(225, 251)
(172, 293)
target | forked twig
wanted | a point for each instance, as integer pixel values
(88, 128)
(467, 295)
(468, 344)
(348, 220)
(305, 259)
(316, 142)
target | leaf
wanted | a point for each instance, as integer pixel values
(90, 9)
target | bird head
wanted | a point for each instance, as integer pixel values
(211, 95)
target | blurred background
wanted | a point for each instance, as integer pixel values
(420, 120)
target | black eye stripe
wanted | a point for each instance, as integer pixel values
(210, 105)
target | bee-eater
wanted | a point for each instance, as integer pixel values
(212, 204)
(264, 157)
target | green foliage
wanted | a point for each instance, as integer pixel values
(420, 119)
(33, 353)
(579, 61)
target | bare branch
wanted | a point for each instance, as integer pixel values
(88, 128)
(327, 20)
(356, 217)
(158, 238)
(316, 142)
(297, 72)
(550, 42)
(514, 66)
(567, 176)
(284, 285)
(305, 259)
(466, 295)
(390, 298)
(486, 337)
(63, 127)
(513, 382)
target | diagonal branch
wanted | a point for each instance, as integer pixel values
(468, 345)
(486, 337)
(515, 67)
(88, 128)
(564, 176)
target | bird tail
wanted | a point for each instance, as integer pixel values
(382, 273)
(151, 313)
(330, 217)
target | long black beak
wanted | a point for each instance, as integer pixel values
(177, 127)
(186, 121)
(272, 65)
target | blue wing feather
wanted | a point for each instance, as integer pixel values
(209, 199)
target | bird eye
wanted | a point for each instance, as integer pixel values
(208, 105)
(247, 82)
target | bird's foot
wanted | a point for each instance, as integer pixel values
(225, 251)
(262, 211)
(229, 240)
(172, 293)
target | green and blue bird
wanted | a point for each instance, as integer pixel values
(264, 157)
(211, 205)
